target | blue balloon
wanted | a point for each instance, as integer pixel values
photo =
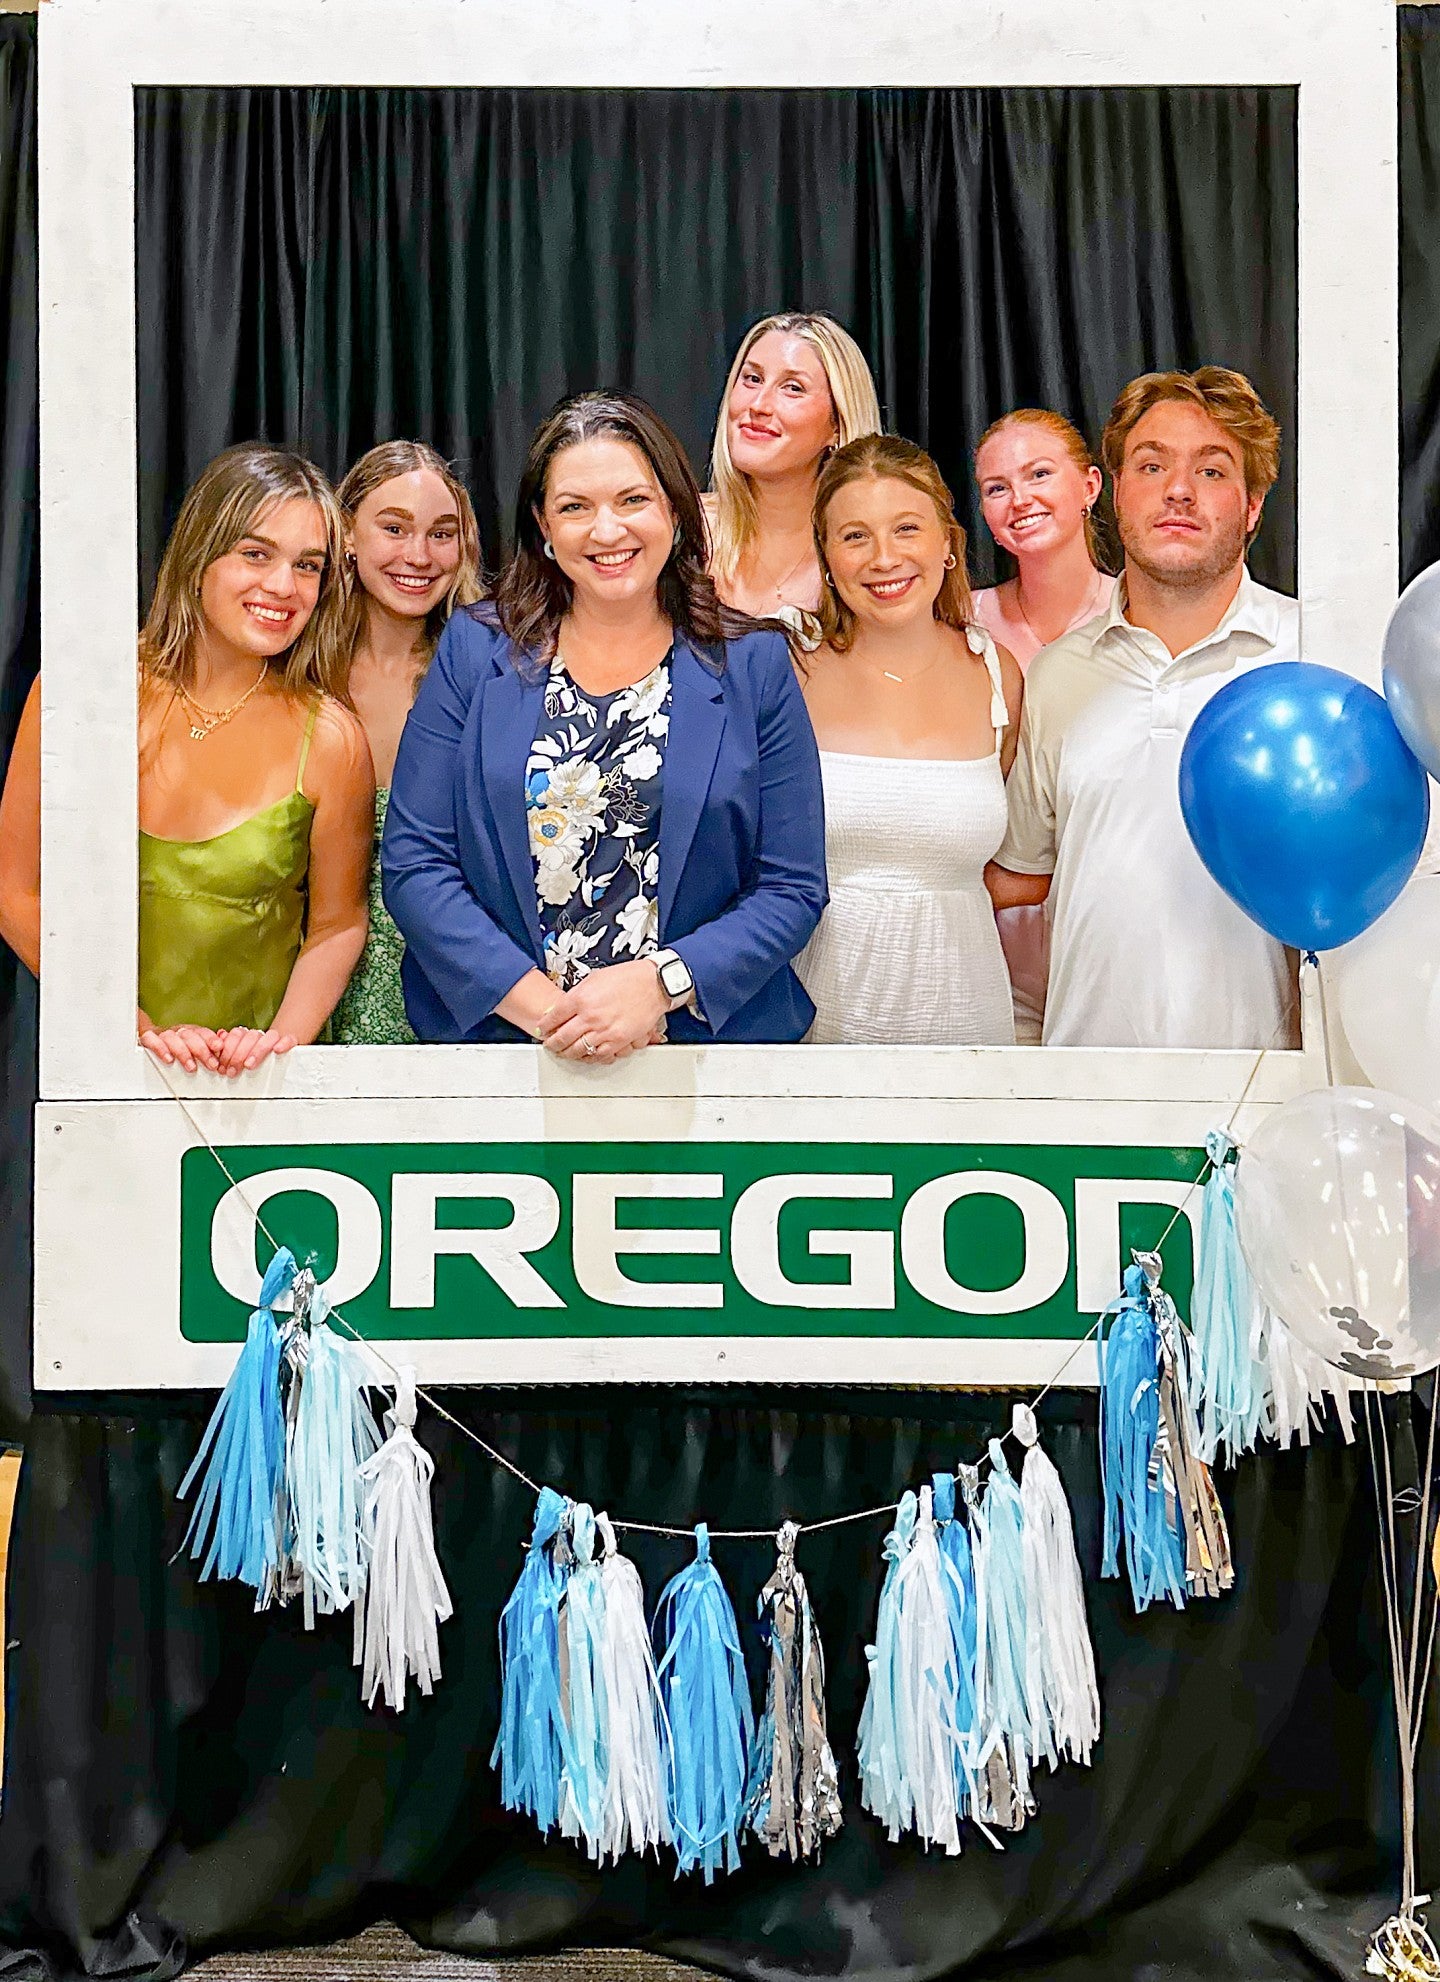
(1304, 801)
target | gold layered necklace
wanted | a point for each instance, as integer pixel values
(203, 720)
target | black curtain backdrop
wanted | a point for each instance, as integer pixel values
(331, 268)
(183, 1776)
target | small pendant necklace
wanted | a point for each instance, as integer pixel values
(203, 720)
(902, 679)
(779, 588)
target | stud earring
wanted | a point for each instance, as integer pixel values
(549, 550)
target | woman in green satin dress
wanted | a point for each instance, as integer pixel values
(255, 789)
(412, 554)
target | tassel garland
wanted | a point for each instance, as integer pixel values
(1136, 1509)
(1060, 1683)
(635, 1816)
(910, 1742)
(998, 1543)
(583, 1739)
(707, 1707)
(334, 1435)
(793, 1800)
(1158, 1492)
(405, 1598)
(527, 1749)
(1230, 1378)
(958, 1568)
(241, 1461)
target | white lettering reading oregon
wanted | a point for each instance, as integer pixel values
(602, 1233)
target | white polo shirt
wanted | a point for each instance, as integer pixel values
(1145, 949)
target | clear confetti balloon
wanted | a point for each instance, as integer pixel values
(1388, 986)
(1337, 1203)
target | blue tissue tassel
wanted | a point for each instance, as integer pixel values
(909, 1736)
(707, 1704)
(1231, 1382)
(241, 1460)
(333, 1435)
(1002, 1703)
(1158, 1494)
(954, 1539)
(882, 1787)
(528, 1750)
(584, 1717)
(793, 1798)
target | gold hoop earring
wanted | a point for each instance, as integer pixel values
(951, 560)
(1087, 509)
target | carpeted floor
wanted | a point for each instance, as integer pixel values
(385, 1952)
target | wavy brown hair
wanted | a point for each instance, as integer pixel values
(382, 464)
(1227, 397)
(888, 458)
(534, 595)
(229, 500)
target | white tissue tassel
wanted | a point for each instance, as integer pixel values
(635, 1816)
(1059, 1659)
(405, 1600)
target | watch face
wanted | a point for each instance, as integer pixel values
(674, 978)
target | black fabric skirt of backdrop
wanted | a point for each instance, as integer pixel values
(181, 1775)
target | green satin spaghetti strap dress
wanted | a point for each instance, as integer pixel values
(222, 920)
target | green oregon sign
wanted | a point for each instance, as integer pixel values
(555, 1239)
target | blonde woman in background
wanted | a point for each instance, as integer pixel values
(916, 712)
(798, 389)
(412, 554)
(1038, 487)
(255, 788)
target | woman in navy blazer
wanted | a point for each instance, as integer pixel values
(606, 825)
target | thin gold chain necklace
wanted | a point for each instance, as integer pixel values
(203, 720)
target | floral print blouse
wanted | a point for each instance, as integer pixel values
(592, 790)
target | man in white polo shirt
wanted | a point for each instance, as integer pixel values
(1145, 949)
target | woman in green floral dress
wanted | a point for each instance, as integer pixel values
(412, 554)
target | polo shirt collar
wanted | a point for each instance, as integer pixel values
(1253, 611)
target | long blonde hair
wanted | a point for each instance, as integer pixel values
(224, 504)
(888, 458)
(382, 464)
(734, 518)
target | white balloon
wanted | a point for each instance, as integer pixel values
(1387, 994)
(1337, 1205)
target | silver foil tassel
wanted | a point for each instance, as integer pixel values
(1189, 1488)
(793, 1797)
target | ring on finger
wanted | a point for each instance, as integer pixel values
(587, 1047)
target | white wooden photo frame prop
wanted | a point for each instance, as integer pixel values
(111, 1136)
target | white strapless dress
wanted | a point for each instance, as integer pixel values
(907, 953)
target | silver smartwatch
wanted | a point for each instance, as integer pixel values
(674, 974)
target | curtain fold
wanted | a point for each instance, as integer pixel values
(331, 267)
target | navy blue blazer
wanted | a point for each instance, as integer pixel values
(742, 838)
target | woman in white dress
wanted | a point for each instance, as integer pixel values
(798, 389)
(916, 712)
(1038, 484)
